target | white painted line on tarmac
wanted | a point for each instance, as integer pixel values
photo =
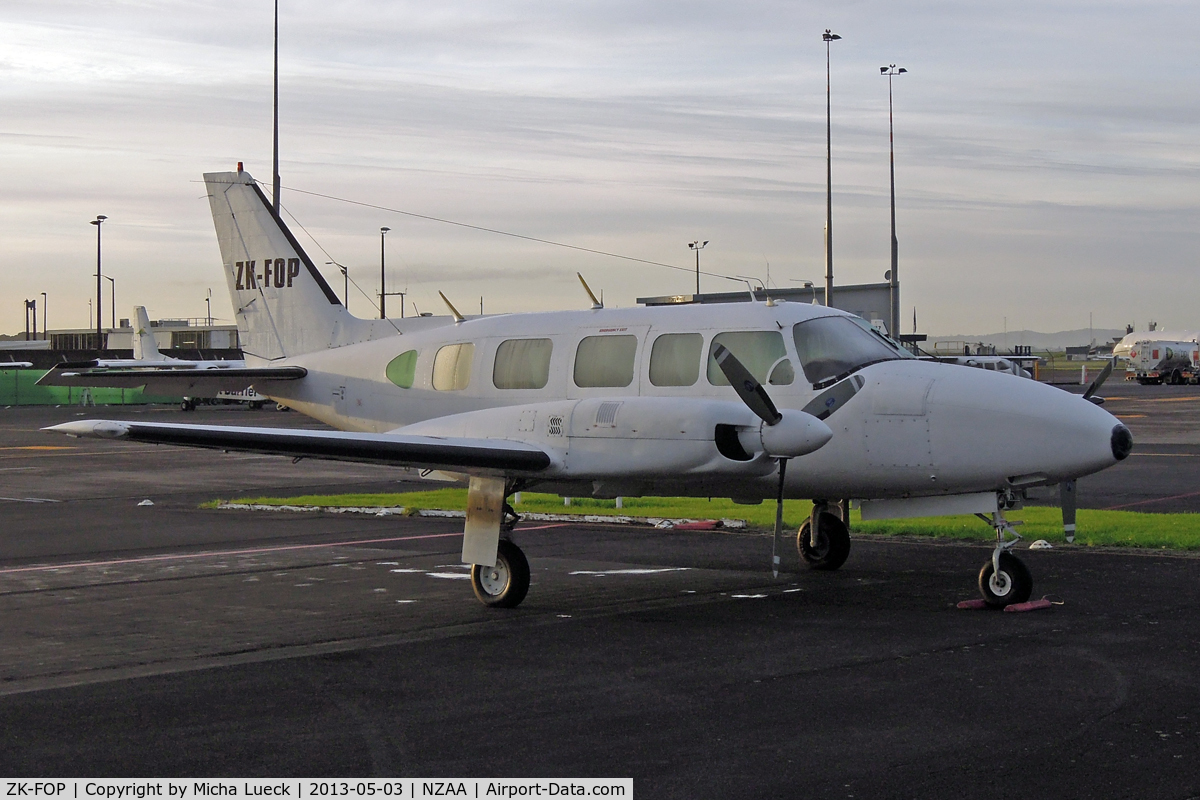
(627, 571)
(190, 556)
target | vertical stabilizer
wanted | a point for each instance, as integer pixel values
(284, 307)
(145, 348)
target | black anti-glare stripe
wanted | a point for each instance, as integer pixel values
(312, 270)
(441, 455)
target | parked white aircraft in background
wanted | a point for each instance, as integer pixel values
(148, 359)
(709, 401)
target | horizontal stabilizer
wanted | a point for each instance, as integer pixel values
(171, 382)
(474, 456)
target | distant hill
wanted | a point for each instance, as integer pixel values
(1036, 339)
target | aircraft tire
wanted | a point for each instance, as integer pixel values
(506, 584)
(1014, 586)
(187, 405)
(833, 543)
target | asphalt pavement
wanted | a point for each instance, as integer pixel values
(170, 640)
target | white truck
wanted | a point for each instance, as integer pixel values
(1164, 362)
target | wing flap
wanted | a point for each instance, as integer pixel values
(474, 456)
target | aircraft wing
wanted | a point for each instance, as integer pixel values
(171, 382)
(473, 456)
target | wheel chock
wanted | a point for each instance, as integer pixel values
(1032, 605)
(973, 605)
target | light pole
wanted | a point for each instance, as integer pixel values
(113, 286)
(275, 126)
(98, 221)
(828, 36)
(346, 279)
(45, 330)
(208, 308)
(893, 275)
(697, 246)
(382, 260)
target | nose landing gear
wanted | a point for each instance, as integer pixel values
(1004, 580)
(828, 546)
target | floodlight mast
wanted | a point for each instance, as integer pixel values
(275, 127)
(98, 221)
(382, 285)
(697, 246)
(827, 37)
(894, 276)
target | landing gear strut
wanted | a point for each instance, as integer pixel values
(499, 570)
(824, 539)
(1004, 579)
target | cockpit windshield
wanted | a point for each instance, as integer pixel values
(830, 348)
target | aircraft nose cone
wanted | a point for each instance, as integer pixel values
(1122, 442)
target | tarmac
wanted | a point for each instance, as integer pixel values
(167, 640)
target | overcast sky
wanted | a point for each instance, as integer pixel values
(1047, 154)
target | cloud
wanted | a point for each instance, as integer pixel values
(1044, 152)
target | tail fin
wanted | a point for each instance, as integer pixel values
(283, 305)
(145, 348)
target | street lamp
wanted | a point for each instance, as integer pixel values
(346, 277)
(45, 330)
(99, 336)
(113, 285)
(697, 246)
(893, 276)
(208, 308)
(827, 37)
(382, 258)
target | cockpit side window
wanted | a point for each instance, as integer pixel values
(832, 347)
(761, 352)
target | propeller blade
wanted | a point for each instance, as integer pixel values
(746, 385)
(1095, 385)
(778, 521)
(1066, 494)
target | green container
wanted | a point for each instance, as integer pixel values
(18, 387)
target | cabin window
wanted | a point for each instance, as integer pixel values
(761, 352)
(675, 359)
(452, 367)
(522, 364)
(605, 361)
(402, 369)
(830, 348)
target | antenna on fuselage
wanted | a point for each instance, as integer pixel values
(596, 304)
(457, 316)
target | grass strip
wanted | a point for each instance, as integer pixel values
(1108, 528)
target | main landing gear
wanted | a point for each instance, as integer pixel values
(1004, 579)
(505, 584)
(829, 547)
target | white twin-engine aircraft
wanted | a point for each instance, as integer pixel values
(699, 400)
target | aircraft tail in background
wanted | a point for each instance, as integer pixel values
(283, 305)
(145, 348)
